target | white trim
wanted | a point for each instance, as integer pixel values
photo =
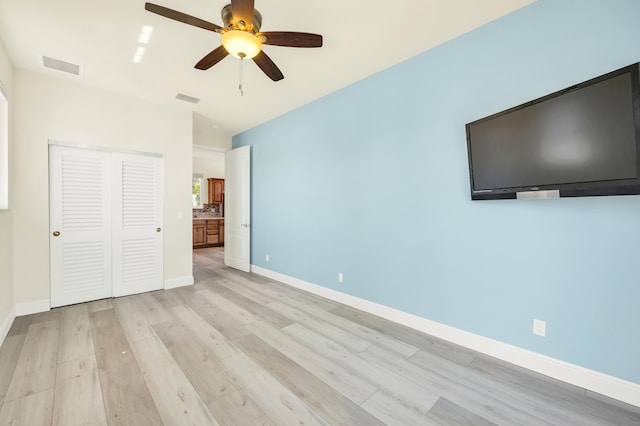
(594, 381)
(7, 323)
(53, 142)
(34, 307)
(209, 148)
(178, 282)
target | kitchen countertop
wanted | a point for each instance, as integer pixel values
(208, 218)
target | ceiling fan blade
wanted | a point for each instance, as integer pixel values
(181, 17)
(291, 39)
(242, 10)
(268, 67)
(215, 56)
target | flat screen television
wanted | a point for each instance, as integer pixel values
(580, 141)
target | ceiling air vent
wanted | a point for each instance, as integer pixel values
(187, 98)
(58, 65)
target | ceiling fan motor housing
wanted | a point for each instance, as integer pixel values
(230, 24)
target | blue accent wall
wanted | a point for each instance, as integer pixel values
(372, 181)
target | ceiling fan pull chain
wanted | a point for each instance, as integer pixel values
(242, 55)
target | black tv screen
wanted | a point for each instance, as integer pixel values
(580, 141)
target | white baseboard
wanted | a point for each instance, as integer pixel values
(178, 282)
(594, 381)
(34, 307)
(6, 324)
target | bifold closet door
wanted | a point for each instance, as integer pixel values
(137, 224)
(106, 224)
(80, 225)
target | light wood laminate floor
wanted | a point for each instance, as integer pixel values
(239, 349)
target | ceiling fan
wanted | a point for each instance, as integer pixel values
(241, 36)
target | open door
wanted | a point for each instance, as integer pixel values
(237, 234)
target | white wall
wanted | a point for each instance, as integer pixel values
(6, 228)
(46, 108)
(211, 166)
(206, 132)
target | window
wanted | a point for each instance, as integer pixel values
(4, 149)
(196, 190)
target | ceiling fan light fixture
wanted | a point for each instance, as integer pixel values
(241, 44)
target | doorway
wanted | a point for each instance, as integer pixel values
(208, 202)
(225, 219)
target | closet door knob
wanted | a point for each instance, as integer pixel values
(56, 233)
(158, 229)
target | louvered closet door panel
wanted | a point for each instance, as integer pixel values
(80, 211)
(137, 224)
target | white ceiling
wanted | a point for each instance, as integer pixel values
(361, 37)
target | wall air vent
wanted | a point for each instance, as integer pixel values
(58, 65)
(187, 98)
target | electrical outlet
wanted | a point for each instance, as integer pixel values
(340, 277)
(267, 258)
(539, 327)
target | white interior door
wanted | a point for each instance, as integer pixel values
(237, 197)
(80, 225)
(137, 224)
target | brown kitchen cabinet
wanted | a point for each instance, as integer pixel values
(208, 233)
(199, 233)
(212, 232)
(216, 190)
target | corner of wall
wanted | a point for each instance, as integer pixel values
(6, 325)
(7, 290)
